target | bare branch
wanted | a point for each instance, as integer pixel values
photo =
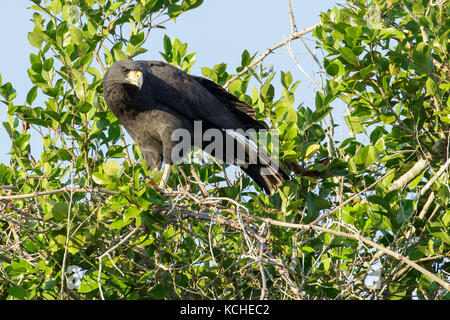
(62, 190)
(268, 51)
(358, 237)
(106, 253)
(435, 177)
(412, 173)
(291, 17)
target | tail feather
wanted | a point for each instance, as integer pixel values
(262, 169)
(268, 182)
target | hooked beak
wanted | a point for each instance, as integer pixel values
(135, 78)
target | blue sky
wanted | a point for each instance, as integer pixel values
(218, 31)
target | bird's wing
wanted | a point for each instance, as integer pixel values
(232, 102)
(182, 92)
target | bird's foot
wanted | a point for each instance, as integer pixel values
(165, 177)
(150, 182)
(162, 187)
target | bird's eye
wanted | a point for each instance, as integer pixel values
(126, 70)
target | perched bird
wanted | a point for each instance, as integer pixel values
(153, 99)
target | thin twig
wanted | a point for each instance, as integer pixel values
(56, 191)
(106, 253)
(66, 246)
(288, 46)
(358, 237)
(199, 182)
(263, 276)
(435, 177)
(291, 17)
(110, 27)
(325, 215)
(268, 51)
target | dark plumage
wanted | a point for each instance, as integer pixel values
(151, 99)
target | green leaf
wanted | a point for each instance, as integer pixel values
(286, 115)
(246, 58)
(48, 64)
(174, 11)
(236, 87)
(418, 8)
(88, 283)
(60, 211)
(35, 40)
(20, 266)
(353, 32)
(311, 150)
(137, 39)
(267, 91)
(437, 229)
(76, 243)
(120, 223)
(132, 212)
(76, 35)
(380, 145)
(167, 54)
(209, 73)
(191, 4)
(321, 113)
(17, 292)
(431, 86)
(92, 28)
(367, 156)
(347, 215)
(31, 96)
(286, 79)
(139, 12)
(99, 178)
(119, 54)
(416, 181)
(319, 100)
(136, 51)
(349, 56)
(387, 119)
(158, 292)
(391, 33)
(415, 252)
(421, 58)
(355, 124)
(23, 141)
(84, 107)
(112, 168)
(56, 6)
(332, 68)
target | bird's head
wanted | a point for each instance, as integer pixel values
(125, 72)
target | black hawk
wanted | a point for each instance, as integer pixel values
(152, 99)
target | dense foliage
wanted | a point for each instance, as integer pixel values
(79, 221)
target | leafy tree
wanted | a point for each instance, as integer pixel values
(369, 222)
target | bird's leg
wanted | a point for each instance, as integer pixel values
(165, 175)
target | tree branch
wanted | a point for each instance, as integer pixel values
(412, 173)
(219, 219)
(62, 190)
(291, 17)
(268, 51)
(435, 177)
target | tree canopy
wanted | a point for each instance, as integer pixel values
(80, 221)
